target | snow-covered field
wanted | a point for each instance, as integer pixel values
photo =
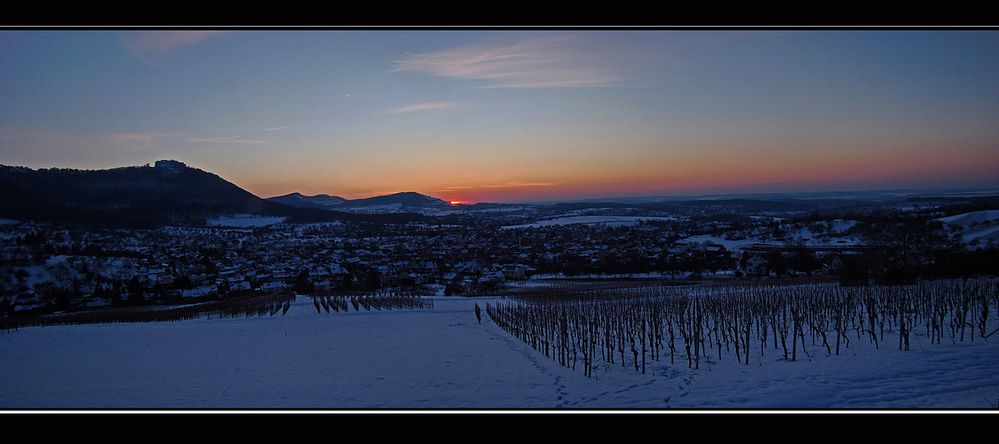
(616, 221)
(800, 235)
(441, 358)
(730, 245)
(972, 217)
(244, 220)
(58, 269)
(977, 227)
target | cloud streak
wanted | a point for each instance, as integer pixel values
(229, 140)
(45, 148)
(520, 184)
(505, 185)
(549, 62)
(145, 43)
(144, 139)
(429, 106)
(134, 140)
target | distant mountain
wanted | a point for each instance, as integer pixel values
(321, 201)
(404, 199)
(140, 196)
(398, 202)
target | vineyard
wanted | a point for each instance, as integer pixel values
(633, 327)
(269, 304)
(385, 299)
(443, 357)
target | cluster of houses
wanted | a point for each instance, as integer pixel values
(103, 266)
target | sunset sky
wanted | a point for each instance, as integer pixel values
(515, 115)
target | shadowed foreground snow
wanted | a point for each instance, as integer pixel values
(441, 358)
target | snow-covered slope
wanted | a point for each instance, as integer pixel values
(443, 358)
(974, 217)
(976, 227)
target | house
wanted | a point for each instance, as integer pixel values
(833, 264)
(273, 285)
(240, 286)
(710, 247)
(756, 266)
(514, 272)
(491, 277)
(198, 292)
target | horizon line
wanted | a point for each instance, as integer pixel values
(984, 190)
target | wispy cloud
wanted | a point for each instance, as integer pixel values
(520, 184)
(142, 139)
(47, 147)
(425, 107)
(549, 62)
(146, 43)
(229, 140)
(276, 128)
(505, 185)
(131, 140)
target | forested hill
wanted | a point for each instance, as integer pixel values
(139, 196)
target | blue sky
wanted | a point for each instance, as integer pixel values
(477, 115)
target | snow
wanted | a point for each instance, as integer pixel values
(843, 225)
(443, 358)
(983, 235)
(806, 237)
(730, 245)
(977, 227)
(384, 208)
(244, 220)
(53, 270)
(972, 217)
(198, 291)
(616, 221)
(797, 234)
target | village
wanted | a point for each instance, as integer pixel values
(48, 268)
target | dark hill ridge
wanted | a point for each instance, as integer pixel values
(168, 192)
(321, 201)
(402, 200)
(405, 199)
(169, 185)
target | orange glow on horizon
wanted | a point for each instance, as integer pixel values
(801, 170)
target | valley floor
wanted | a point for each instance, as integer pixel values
(442, 358)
